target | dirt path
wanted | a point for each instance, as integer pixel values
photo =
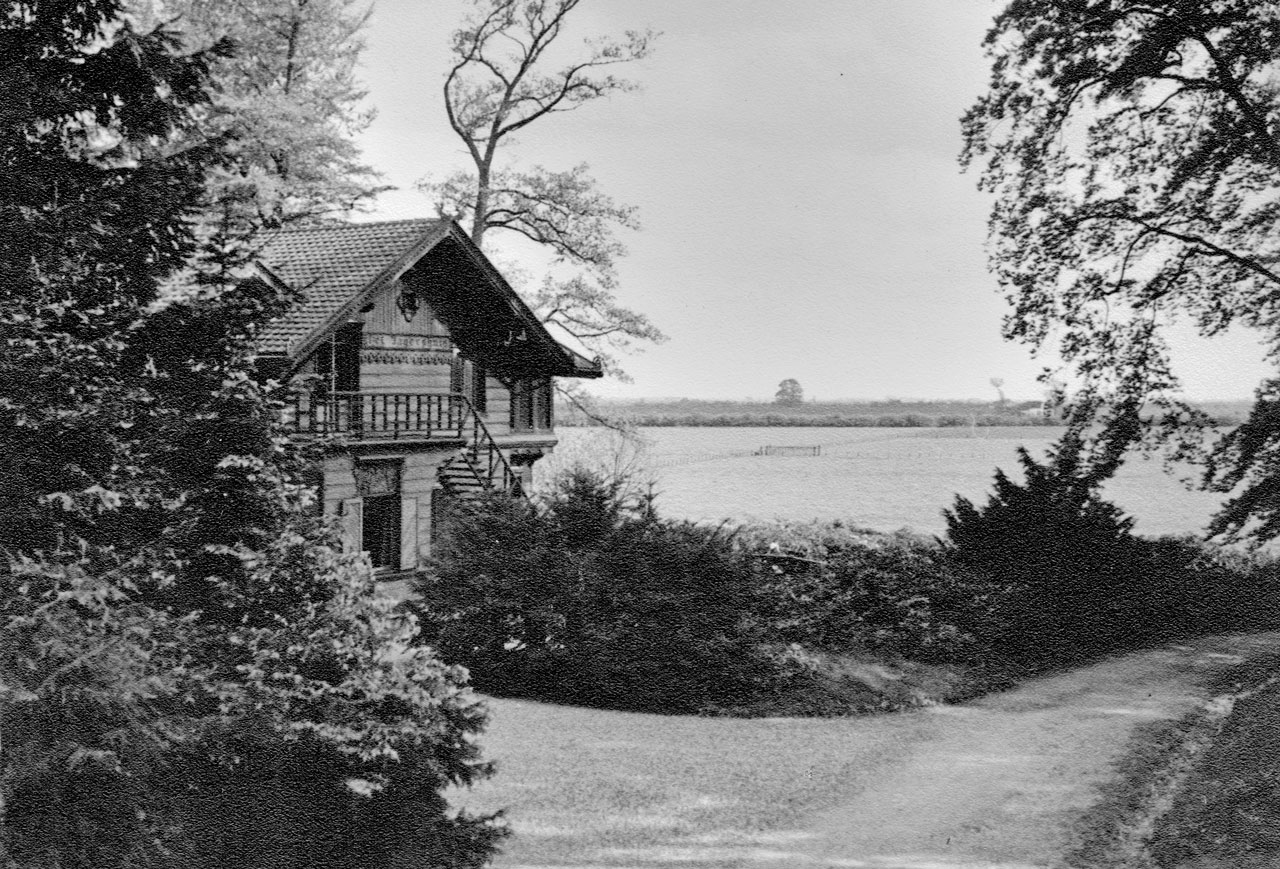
(993, 783)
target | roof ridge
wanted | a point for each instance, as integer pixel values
(353, 225)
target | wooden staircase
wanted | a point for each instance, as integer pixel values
(480, 466)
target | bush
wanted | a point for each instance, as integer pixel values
(594, 600)
(838, 589)
(1080, 583)
(1067, 556)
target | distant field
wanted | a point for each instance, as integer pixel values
(900, 413)
(882, 478)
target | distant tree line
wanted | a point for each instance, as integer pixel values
(783, 419)
(888, 413)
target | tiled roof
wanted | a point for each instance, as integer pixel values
(330, 266)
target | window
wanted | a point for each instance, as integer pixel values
(378, 484)
(338, 359)
(530, 403)
(468, 379)
(543, 401)
(521, 404)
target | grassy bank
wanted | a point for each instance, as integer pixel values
(1198, 791)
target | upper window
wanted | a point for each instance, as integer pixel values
(531, 404)
(338, 359)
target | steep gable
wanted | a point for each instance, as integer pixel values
(337, 267)
(331, 265)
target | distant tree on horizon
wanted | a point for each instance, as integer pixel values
(790, 393)
(998, 383)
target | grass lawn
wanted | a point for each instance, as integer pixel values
(591, 787)
(1227, 812)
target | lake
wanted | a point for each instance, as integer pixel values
(881, 478)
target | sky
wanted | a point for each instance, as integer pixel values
(794, 165)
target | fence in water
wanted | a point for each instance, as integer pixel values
(789, 451)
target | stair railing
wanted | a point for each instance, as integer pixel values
(482, 453)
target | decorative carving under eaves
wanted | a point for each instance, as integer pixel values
(404, 357)
(384, 341)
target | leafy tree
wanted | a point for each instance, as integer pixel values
(288, 91)
(179, 635)
(790, 393)
(504, 79)
(1133, 151)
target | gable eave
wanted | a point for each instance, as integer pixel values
(567, 363)
(301, 348)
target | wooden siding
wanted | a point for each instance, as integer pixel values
(385, 317)
(416, 355)
(417, 482)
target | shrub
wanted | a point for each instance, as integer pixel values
(497, 595)
(1067, 555)
(840, 589)
(1081, 583)
(594, 600)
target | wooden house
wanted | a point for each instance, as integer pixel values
(410, 347)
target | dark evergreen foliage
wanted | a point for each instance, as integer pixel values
(1078, 582)
(1064, 550)
(594, 601)
(181, 644)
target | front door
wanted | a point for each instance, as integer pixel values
(379, 485)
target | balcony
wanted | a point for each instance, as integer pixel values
(379, 415)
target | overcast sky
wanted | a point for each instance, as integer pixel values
(795, 169)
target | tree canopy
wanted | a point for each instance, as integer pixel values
(505, 77)
(790, 392)
(1133, 149)
(180, 635)
(287, 89)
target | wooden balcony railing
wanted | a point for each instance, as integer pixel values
(378, 415)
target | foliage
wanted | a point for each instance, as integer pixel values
(1247, 464)
(839, 589)
(1133, 153)
(502, 80)
(595, 601)
(288, 93)
(1077, 581)
(1063, 552)
(790, 392)
(179, 636)
(81, 672)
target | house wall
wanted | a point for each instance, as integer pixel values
(418, 484)
(400, 355)
(414, 355)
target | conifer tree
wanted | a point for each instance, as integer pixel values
(179, 636)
